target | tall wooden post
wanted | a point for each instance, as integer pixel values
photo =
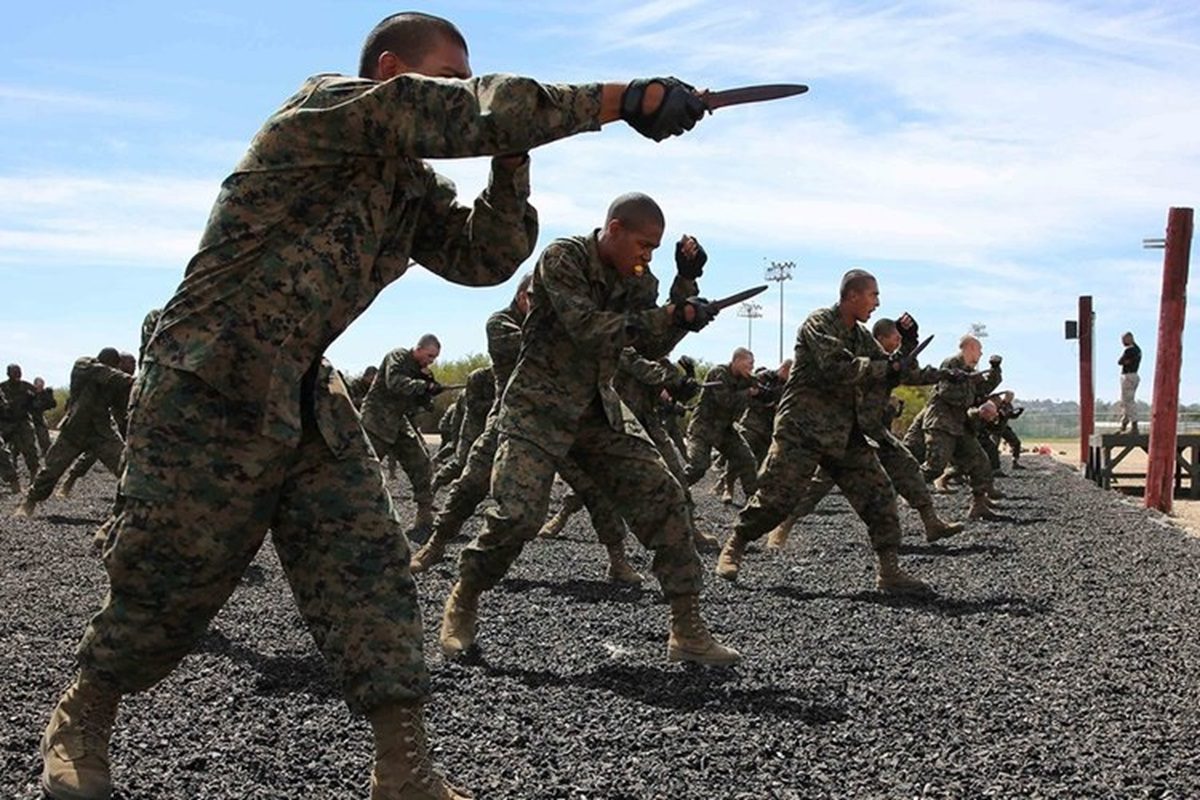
(1164, 414)
(1087, 381)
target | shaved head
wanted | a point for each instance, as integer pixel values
(411, 35)
(636, 211)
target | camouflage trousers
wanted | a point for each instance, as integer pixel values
(409, 452)
(902, 469)
(729, 442)
(1009, 437)
(991, 448)
(82, 466)
(472, 487)
(41, 434)
(759, 441)
(627, 469)
(201, 490)
(8, 473)
(943, 448)
(22, 443)
(791, 464)
(62, 455)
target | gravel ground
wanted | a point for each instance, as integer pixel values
(1061, 659)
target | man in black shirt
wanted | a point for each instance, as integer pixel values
(1130, 361)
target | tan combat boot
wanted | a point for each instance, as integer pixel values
(458, 620)
(730, 560)
(403, 766)
(26, 508)
(941, 485)
(619, 568)
(936, 527)
(980, 508)
(705, 542)
(727, 491)
(690, 639)
(778, 538)
(432, 552)
(894, 580)
(64, 491)
(75, 744)
(553, 527)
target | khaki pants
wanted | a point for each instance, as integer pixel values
(1129, 387)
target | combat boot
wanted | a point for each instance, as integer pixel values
(894, 580)
(64, 491)
(75, 744)
(980, 508)
(730, 560)
(941, 485)
(458, 620)
(619, 568)
(727, 492)
(705, 542)
(403, 765)
(690, 639)
(995, 493)
(14, 486)
(1017, 464)
(936, 527)
(432, 552)
(26, 508)
(553, 527)
(778, 538)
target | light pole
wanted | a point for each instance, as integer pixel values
(751, 311)
(780, 271)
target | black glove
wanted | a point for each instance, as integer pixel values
(704, 314)
(768, 394)
(907, 325)
(690, 268)
(995, 360)
(678, 112)
(687, 388)
(1016, 413)
(688, 365)
(433, 388)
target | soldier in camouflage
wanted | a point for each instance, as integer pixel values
(16, 422)
(360, 385)
(756, 423)
(475, 403)
(471, 488)
(823, 421)
(900, 465)
(404, 385)
(43, 401)
(448, 424)
(118, 412)
(238, 424)
(8, 472)
(727, 392)
(948, 438)
(98, 389)
(591, 297)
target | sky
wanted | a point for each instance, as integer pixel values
(989, 162)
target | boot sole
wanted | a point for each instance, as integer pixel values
(66, 794)
(674, 654)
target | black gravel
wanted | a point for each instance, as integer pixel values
(1061, 659)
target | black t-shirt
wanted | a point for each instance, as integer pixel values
(1131, 359)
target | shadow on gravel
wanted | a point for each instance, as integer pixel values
(951, 550)
(704, 689)
(577, 589)
(941, 605)
(277, 675)
(62, 519)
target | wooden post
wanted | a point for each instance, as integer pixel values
(1164, 414)
(1087, 383)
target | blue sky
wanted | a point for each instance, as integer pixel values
(989, 162)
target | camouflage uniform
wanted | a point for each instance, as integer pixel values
(901, 466)
(16, 423)
(947, 438)
(8, 472)
(358, 388)
(448, 424)
(400, 388)
(476, 402)
(97, 391)
(238, 425)
(714, 425)
(560, 407)
(822, 421)
(43, 401)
